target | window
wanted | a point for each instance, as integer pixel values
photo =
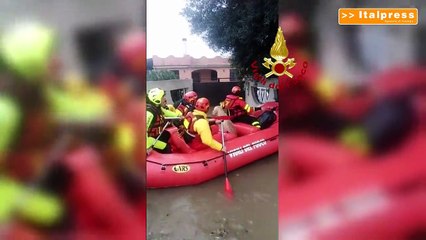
(177, 94)
(213, 75)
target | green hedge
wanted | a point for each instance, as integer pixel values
(154, 75)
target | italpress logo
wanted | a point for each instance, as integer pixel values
(378, 16)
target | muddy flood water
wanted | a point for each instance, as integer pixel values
(203, 211)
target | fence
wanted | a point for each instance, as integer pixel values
(215, 91)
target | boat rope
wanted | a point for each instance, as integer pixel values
(205, 162)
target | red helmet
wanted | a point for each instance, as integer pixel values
(202, 104)
(236, 90)
(132, 52)
(190, 97)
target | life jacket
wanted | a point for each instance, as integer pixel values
(190, 133)
(231, 106)
(155, 127)
(185, 107)
(31, 136)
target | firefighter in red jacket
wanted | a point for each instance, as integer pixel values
(187, 104)
(198, 128)
(238, 109)
(184, 106)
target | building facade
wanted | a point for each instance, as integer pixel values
(217, 69)
(191, 72)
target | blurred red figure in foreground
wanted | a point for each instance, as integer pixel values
(368, 182)
(126, 86)
(351, 160)
(132, 54)
(98, 195)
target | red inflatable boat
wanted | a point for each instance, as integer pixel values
(382, 199)
(307, 155)
(183, 169)
(328, 191)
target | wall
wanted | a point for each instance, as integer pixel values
(256, 93)
(223, 74)
(185, 73)
(168, 85)
(187, 64)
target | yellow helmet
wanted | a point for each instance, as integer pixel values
(155, 95)
(27, 48)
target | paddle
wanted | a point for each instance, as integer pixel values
(148, 151)
(228, 188)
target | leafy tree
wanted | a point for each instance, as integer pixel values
(154, 75)
(244, 28)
